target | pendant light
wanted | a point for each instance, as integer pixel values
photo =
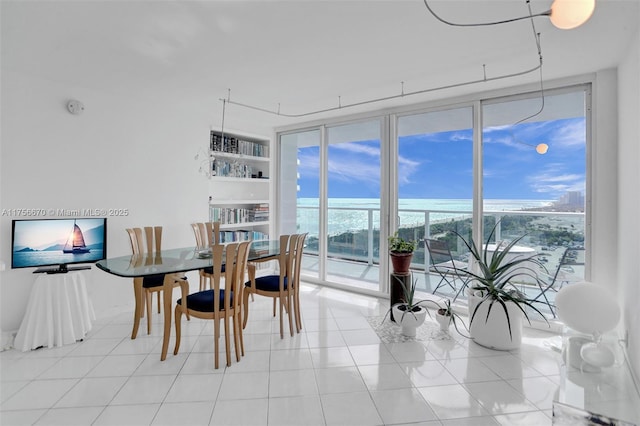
(569, 14)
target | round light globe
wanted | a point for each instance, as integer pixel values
(588, 308)
(542, 148)
(569, 14)
(591, 309)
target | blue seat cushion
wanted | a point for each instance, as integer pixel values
(268, 283)
(209, 269)
(203, 300)
(156, 280)
(153, 280)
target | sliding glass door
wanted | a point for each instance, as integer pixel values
(508, 162)
(299, 189)
(434, 184)
(535, 180)
(353, 204)
(329, 186)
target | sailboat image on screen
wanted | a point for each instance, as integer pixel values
(75, 243)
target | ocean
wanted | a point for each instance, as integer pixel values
(352, 214)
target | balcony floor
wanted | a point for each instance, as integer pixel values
(359, 275)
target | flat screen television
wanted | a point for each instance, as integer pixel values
(52, 244)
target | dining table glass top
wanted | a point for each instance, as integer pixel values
(177, 260)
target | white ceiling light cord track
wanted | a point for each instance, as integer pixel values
(386, 98)
(484, 24)
(558, 5)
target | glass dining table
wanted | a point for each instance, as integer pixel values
(169, 262)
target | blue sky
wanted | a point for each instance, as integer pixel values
(439, 165)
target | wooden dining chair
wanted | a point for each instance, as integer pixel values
(151, 283)
(219, 304)
(207, 234)
(283, 287)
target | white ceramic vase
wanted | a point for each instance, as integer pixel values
(493, 332)
(444, 321)
(409, 321)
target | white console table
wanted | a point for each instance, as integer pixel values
(59, 312)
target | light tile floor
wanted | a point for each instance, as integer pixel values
(336, 372)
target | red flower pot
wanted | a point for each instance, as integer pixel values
(401, 262)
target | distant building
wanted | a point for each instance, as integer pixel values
(571, 200)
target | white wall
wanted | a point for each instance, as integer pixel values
(629, 197)
(135, 153)
(603, 158)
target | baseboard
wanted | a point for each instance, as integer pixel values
(7, 340)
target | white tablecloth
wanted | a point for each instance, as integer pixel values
(59, 312)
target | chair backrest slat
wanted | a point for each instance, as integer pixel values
(206, 233)
(234, 256)
(298, 257)
(152, 235)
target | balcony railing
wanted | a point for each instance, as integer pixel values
(545, 230)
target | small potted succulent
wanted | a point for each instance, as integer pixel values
(401, 252)
(409, 313)
(445, 316)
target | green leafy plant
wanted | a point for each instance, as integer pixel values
(398, 244)
(410, 305)
(493, 276)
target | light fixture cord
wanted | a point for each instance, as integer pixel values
(536, 36)
(484, 24)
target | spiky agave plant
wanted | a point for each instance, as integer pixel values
(494, 276)
(410, 305)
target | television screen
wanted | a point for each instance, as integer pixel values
(57, 242)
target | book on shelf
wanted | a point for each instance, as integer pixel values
(233, 145)
(242, 235)
(234, 215)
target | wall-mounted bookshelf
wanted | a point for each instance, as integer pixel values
(238, 157)
(239, 194)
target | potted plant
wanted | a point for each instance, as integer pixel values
(401, 252)
(445, 316)
(409, 313)
(496, 306)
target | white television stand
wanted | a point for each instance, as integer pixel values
(59, 312)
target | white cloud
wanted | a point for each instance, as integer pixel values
(309, 165)
(571, 135)
(555, 181)
(357, 148)
(347, 170)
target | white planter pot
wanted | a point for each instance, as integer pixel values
(472, 300)
(409, 321)
(493, 332)
(444, 321)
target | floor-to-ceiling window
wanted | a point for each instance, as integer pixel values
(353, 207)
(299, 189)
(450, 168)
(535, 178)
(434, 183)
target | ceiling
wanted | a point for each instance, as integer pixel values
(303, 55)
